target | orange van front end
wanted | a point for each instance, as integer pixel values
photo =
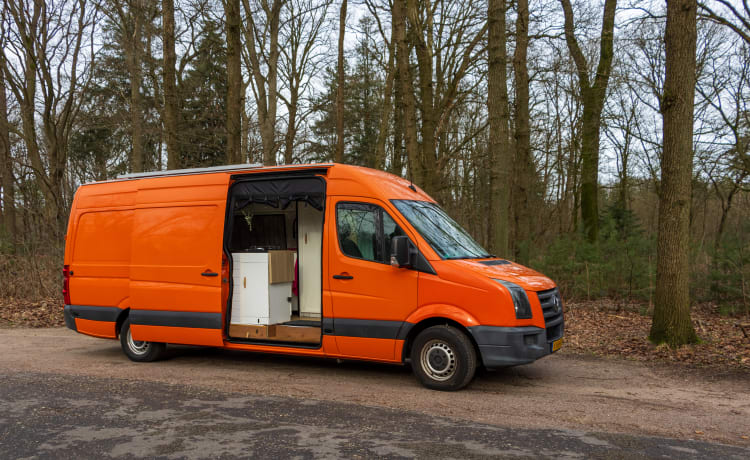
(512, 314)
(518, 312)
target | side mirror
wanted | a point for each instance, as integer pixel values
(403, 252)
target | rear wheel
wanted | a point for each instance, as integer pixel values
(443, 358)
(139, 350)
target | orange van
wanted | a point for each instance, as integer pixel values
(324, 260)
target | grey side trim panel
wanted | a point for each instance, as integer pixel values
(367, 328)
(176, 319)
(69, 320)
(93, 313)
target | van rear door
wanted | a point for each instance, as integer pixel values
(175, 276)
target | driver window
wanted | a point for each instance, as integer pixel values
(357, 229)
(365, 231)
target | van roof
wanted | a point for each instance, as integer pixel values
(342, 179)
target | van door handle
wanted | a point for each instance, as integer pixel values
(343, 277)
(209, 273)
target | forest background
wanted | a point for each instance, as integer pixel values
(537, 124)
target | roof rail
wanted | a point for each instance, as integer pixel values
(215, 169)
(190, 171)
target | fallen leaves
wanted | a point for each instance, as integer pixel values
(22, 313)
(604, 328)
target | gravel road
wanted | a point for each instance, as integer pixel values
(64, 394)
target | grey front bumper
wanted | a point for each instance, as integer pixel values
(511, 346)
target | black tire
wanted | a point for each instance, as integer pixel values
(138, 351)
(443, 358)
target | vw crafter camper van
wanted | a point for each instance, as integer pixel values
(324, 260)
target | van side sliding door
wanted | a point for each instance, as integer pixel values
(175, 276)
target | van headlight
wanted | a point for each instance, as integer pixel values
(520, 299)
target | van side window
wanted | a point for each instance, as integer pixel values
(390, 229)
(365, 231)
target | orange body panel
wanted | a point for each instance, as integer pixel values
(143, 244)
(369, 348)
(103, 329)
(182, 335)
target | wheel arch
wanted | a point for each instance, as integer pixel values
(121, 317)
(436, 321)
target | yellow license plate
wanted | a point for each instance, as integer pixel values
(556, 345)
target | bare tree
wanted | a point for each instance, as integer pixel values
(8, 216)
(524, 177)
(406, 87)
(129, 16)
(592, 94)
(301, 60)
(341, 81)
(171, 107)
(501, 178)
(671, 322)
(389, 66)
(262, 46)
(443, 62)
(729, 14)
(235, 96)
(51, 48)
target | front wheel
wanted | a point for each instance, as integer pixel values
(443, 358)
(138, 350)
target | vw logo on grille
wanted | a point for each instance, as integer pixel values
(556, 304)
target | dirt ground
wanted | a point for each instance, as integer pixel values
(559, 391)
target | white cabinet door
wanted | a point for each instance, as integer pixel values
(254, 301)
(310, 245)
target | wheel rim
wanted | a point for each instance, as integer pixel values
(138, 347)
(438, 360)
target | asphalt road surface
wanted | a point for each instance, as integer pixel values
(63, 395)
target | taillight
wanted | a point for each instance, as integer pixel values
(66, 284)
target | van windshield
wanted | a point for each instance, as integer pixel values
(445, 236)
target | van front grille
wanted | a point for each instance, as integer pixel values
(551, 303)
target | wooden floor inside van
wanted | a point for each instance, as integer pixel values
(296, 330)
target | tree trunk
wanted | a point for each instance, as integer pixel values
(501, 151)
(269, 122)
(234, 82)
(525, 177)
(385, 112)
(291, 130)
(428, 171)
(171, 110)
(6, 165)
(265, 78)
(134, 59)
(339, 155)
(671, 323)
(406, 86)
(592, 95)
(397, 165)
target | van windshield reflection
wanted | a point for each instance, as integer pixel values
(446, 237)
